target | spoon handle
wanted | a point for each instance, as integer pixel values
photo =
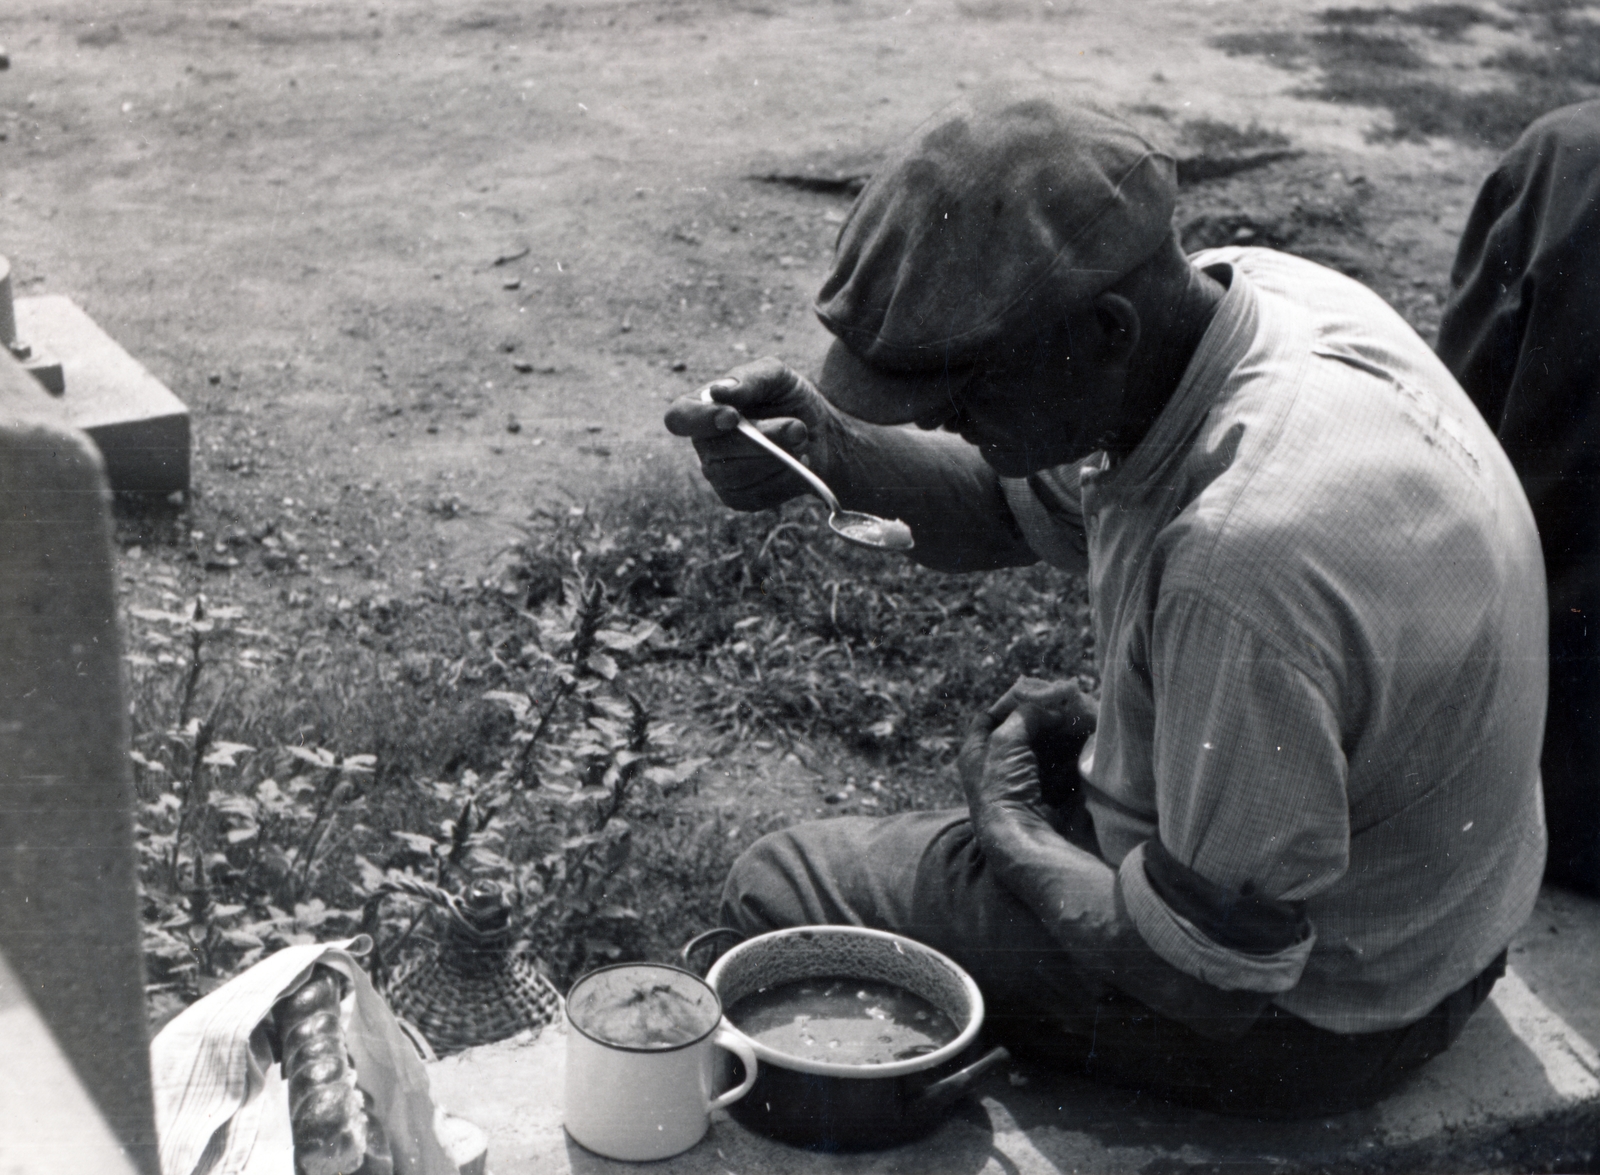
(778, 451)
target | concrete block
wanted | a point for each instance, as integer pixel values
(43, 366)
(51, 1123)
(140, 427)
(1520, 1090)
(69, 918)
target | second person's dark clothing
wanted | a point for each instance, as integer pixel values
(1522, 334)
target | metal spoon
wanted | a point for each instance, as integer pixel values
(864, 530)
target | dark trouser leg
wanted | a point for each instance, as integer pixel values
(1571, 761)
(922, 875)
(918, 874)
(1282, 1068)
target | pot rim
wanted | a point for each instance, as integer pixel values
(939, 1056)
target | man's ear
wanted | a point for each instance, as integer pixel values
(1119, 328)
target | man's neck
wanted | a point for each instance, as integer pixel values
(1171, 332)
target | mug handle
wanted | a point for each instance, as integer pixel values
(727, 1038)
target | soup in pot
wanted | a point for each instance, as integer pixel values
(846, 1021)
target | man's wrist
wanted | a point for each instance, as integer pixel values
(839, 449)
(1066, 886)
(1009, 828)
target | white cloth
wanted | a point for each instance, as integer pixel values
(222, 1105)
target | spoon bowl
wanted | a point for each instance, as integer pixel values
(864, 530)
(868, 530)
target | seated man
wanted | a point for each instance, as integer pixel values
(1290, 859)
(1522, 335)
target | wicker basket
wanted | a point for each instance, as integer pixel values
(474, 989)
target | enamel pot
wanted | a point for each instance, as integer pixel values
(834, 1106)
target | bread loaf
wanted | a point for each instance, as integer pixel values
(326, 1111)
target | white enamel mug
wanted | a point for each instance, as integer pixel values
(641, 1041)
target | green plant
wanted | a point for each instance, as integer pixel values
(550, 821)
(544, 728)
(229, 858)
(771, 628)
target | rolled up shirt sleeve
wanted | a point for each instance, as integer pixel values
(1189, 945)
(1250, 791)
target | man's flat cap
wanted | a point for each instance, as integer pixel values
(992, 210)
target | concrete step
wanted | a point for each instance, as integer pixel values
(1519, 1091)
(141, 429)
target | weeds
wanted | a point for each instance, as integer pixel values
(1213, 135)
(1285, 48)
(531, 729)
(1423, 109)
(1345, 50)
(789, 634)
(1220, 149)
(237, 864)
(1572, 52)
(230, 860)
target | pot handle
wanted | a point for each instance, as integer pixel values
(946, 1090)
(700, 940)
(736, 1044)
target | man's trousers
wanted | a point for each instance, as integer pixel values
(922, 874)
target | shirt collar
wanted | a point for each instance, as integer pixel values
(1225, 343)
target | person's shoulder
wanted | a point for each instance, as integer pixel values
(1577, 125)
(1285, 274)
(1343, 319)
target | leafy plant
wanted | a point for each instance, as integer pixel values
(550, 822)
(545, 728)
(788, 634)
(229, 858)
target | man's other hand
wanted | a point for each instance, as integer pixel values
(1010, 765)
(1059, 718)
(782, 404)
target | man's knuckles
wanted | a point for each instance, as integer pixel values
(764, 388)
(1036, 692)
(697, 420)
(790, 433)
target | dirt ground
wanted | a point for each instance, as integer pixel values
(418, 268)
(415, 266)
